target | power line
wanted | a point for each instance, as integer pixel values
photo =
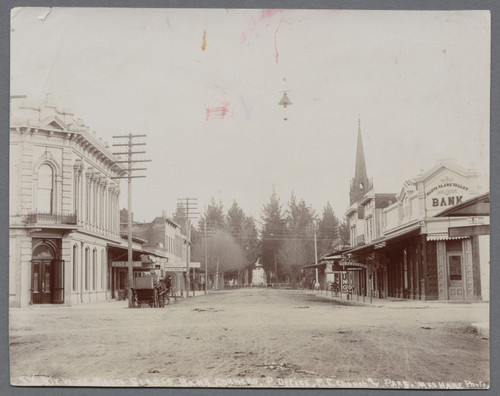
(129, 176)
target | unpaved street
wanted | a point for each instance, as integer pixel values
(256, 337)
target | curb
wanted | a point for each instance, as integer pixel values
(482, 328)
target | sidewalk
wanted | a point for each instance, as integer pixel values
(108, 304)
(395, 302)
(482, 328)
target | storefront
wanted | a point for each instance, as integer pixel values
(430, 247)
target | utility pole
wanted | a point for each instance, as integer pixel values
(129, 176)
(316, 255)
(188, 204)
(206, 256)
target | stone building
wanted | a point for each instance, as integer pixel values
(64, 208)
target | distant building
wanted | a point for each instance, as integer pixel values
(64, 208)
(165, 239)
(259, 275)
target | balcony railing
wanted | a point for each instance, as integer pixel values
(50, 218)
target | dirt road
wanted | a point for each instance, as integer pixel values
(250, 337)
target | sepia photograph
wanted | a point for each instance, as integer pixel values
(249, 198)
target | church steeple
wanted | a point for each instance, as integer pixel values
(360, 185)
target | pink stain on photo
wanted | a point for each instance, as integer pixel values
(254, 30)
(269, 13)
(275, 42)
(218, 112)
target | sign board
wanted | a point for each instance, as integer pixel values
(445, 190)
(175, 269)
(182, 267)
(122, 264)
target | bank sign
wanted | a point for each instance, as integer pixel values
(446, 192)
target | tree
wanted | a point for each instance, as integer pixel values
(328, 230)
(273, 231)
(250, 241)
(224, 254)
(230, 242)
(297, 248)
(344, 233)
(234, 219)
(214, 216)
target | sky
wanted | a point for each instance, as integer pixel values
(204, 85)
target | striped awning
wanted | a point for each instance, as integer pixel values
(443, 236)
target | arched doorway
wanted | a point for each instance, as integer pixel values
(47, 275)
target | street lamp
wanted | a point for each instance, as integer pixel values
(285, 101)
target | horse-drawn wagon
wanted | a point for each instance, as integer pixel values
(149, 290)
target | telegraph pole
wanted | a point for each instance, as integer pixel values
(129, 176)
(188, 205)
(206, 256)
(316, 256)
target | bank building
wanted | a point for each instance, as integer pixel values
(64, 208)
(428, 241)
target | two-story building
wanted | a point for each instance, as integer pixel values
(423, 260)
(401, 245)
(165, 239)
(64, 208)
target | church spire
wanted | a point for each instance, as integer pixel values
(360, 185)
(360, 173)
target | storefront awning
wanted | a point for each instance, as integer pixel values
(443, 236)
(319, 265)
(122, 247)
(402, 234)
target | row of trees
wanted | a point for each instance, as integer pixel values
(291, 237)
(285, 243)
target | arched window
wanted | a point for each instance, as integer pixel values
(75, 267)
(103, 269)
(45, 189)
(94, 268)
(87, 258)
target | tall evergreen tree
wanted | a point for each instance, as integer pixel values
(273, 232)
(214, 216)
(344, 232)
(235, 219)
(328, 230)
(297, 249)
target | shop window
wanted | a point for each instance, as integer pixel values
(122, 280)
(36, 275)
(87, 258)
(103, 269)
(455, 264)
(75, 267)
(94, 269)
(454, 245)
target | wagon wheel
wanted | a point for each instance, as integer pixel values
(161, 300)
(135, 300)
(155, 302)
